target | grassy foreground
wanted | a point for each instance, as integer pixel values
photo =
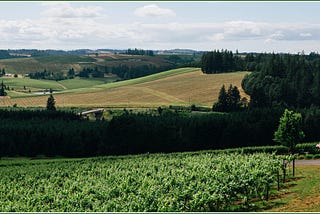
(302, 193)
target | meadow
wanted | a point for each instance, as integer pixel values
(149, 182)
(184, 86)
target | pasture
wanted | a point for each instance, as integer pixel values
(183, 86)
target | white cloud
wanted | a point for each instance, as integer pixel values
(277, 36)
(218, 37)
(153, 11)
(65, 10)
(78, 27)
(305, 34)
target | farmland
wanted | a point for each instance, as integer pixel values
(183, 86)
(159, 182)
(64, 63)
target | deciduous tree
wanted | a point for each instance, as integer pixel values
(289, 132)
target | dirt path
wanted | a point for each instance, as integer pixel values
(308, 162)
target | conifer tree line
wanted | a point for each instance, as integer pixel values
(139, 52)
(56, 133)
(220, 61)
(129, 72)
(286, 80)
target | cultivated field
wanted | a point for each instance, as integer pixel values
(183, 86)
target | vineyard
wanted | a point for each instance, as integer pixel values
(158, 182)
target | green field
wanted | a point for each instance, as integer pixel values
(85, 83)
(157, 182)
(18, 83)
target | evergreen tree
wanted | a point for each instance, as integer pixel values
(71, 73)
(228, 100)
(2, 90)
(51, 103)
(233, 98)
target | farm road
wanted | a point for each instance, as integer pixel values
(308, 162)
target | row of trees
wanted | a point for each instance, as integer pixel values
(91, 72)
(55, 133)
(125, 72)
(122, 70)
(48, 75)
(85, 73)
(139, 52)
(218, 62)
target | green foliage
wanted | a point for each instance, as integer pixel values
(51, 103)
(307, 148)
(180, 182)
(289, 132)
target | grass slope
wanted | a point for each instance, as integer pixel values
(184, 86)
(31, 83)
(301, 194)
(149, 78)
(84, 83)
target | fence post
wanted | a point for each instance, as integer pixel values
(284, 171)
(293, 165)
(278, 176)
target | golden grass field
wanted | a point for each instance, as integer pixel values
(192, 87)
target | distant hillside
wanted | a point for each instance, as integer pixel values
(183, 86)
(62, 63)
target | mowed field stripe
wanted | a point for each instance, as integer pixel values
(160, 94)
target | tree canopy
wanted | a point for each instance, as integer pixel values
(289, 132)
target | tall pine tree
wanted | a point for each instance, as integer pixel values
(51, 103)
(3, 90)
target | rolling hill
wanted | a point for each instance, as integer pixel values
(64, 63)
(184, 86)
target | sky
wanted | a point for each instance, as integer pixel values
(289, 27)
